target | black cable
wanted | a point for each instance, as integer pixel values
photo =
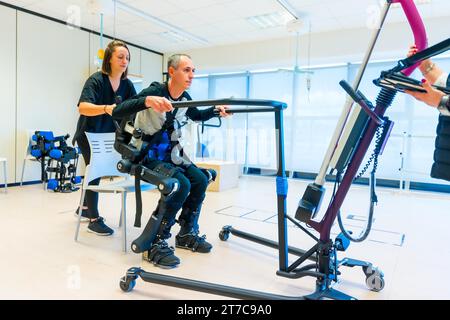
(363, 235)
(373, 197)
(375, 154)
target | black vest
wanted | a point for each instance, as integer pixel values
(441, 165)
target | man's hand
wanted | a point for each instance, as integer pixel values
(159, 104)
(222, 111)
(432, 97)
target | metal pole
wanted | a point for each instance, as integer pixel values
(320, 179)
(282, 186)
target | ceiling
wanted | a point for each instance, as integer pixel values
(206, 23)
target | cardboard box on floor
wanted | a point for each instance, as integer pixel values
(227, 174)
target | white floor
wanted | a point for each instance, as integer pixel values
(40, 260)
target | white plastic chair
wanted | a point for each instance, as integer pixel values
(28, 155)
(4, 173)
(103, 163)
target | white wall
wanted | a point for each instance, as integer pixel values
(135, 62)
(151, 68)
(94, 46)
(8, 90)
(51, 64)
(326, 48)
(48, 75)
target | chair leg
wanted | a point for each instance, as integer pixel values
(83, 194)
(45, 183)
(124, 220)
(121, 215)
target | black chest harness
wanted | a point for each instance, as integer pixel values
(154, 147)
(159, 145)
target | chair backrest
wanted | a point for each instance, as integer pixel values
(104, 157)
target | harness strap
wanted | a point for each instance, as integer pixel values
(137, 187)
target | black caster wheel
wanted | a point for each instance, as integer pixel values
(127, 284)
(135, 248)
(374, 279)
(224, 235)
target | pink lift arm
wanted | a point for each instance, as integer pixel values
(417, 26)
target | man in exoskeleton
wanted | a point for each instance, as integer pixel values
(160, 124)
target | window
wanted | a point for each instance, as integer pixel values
(229, 141)
(318, 111)
(261, 126)
(315, 101)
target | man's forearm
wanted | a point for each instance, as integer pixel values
(200, 115)
(129, 107)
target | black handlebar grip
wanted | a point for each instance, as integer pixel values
(352, 93)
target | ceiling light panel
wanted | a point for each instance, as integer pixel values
(271, 20)
(173, 36)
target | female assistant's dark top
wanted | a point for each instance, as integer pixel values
(98, 90)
